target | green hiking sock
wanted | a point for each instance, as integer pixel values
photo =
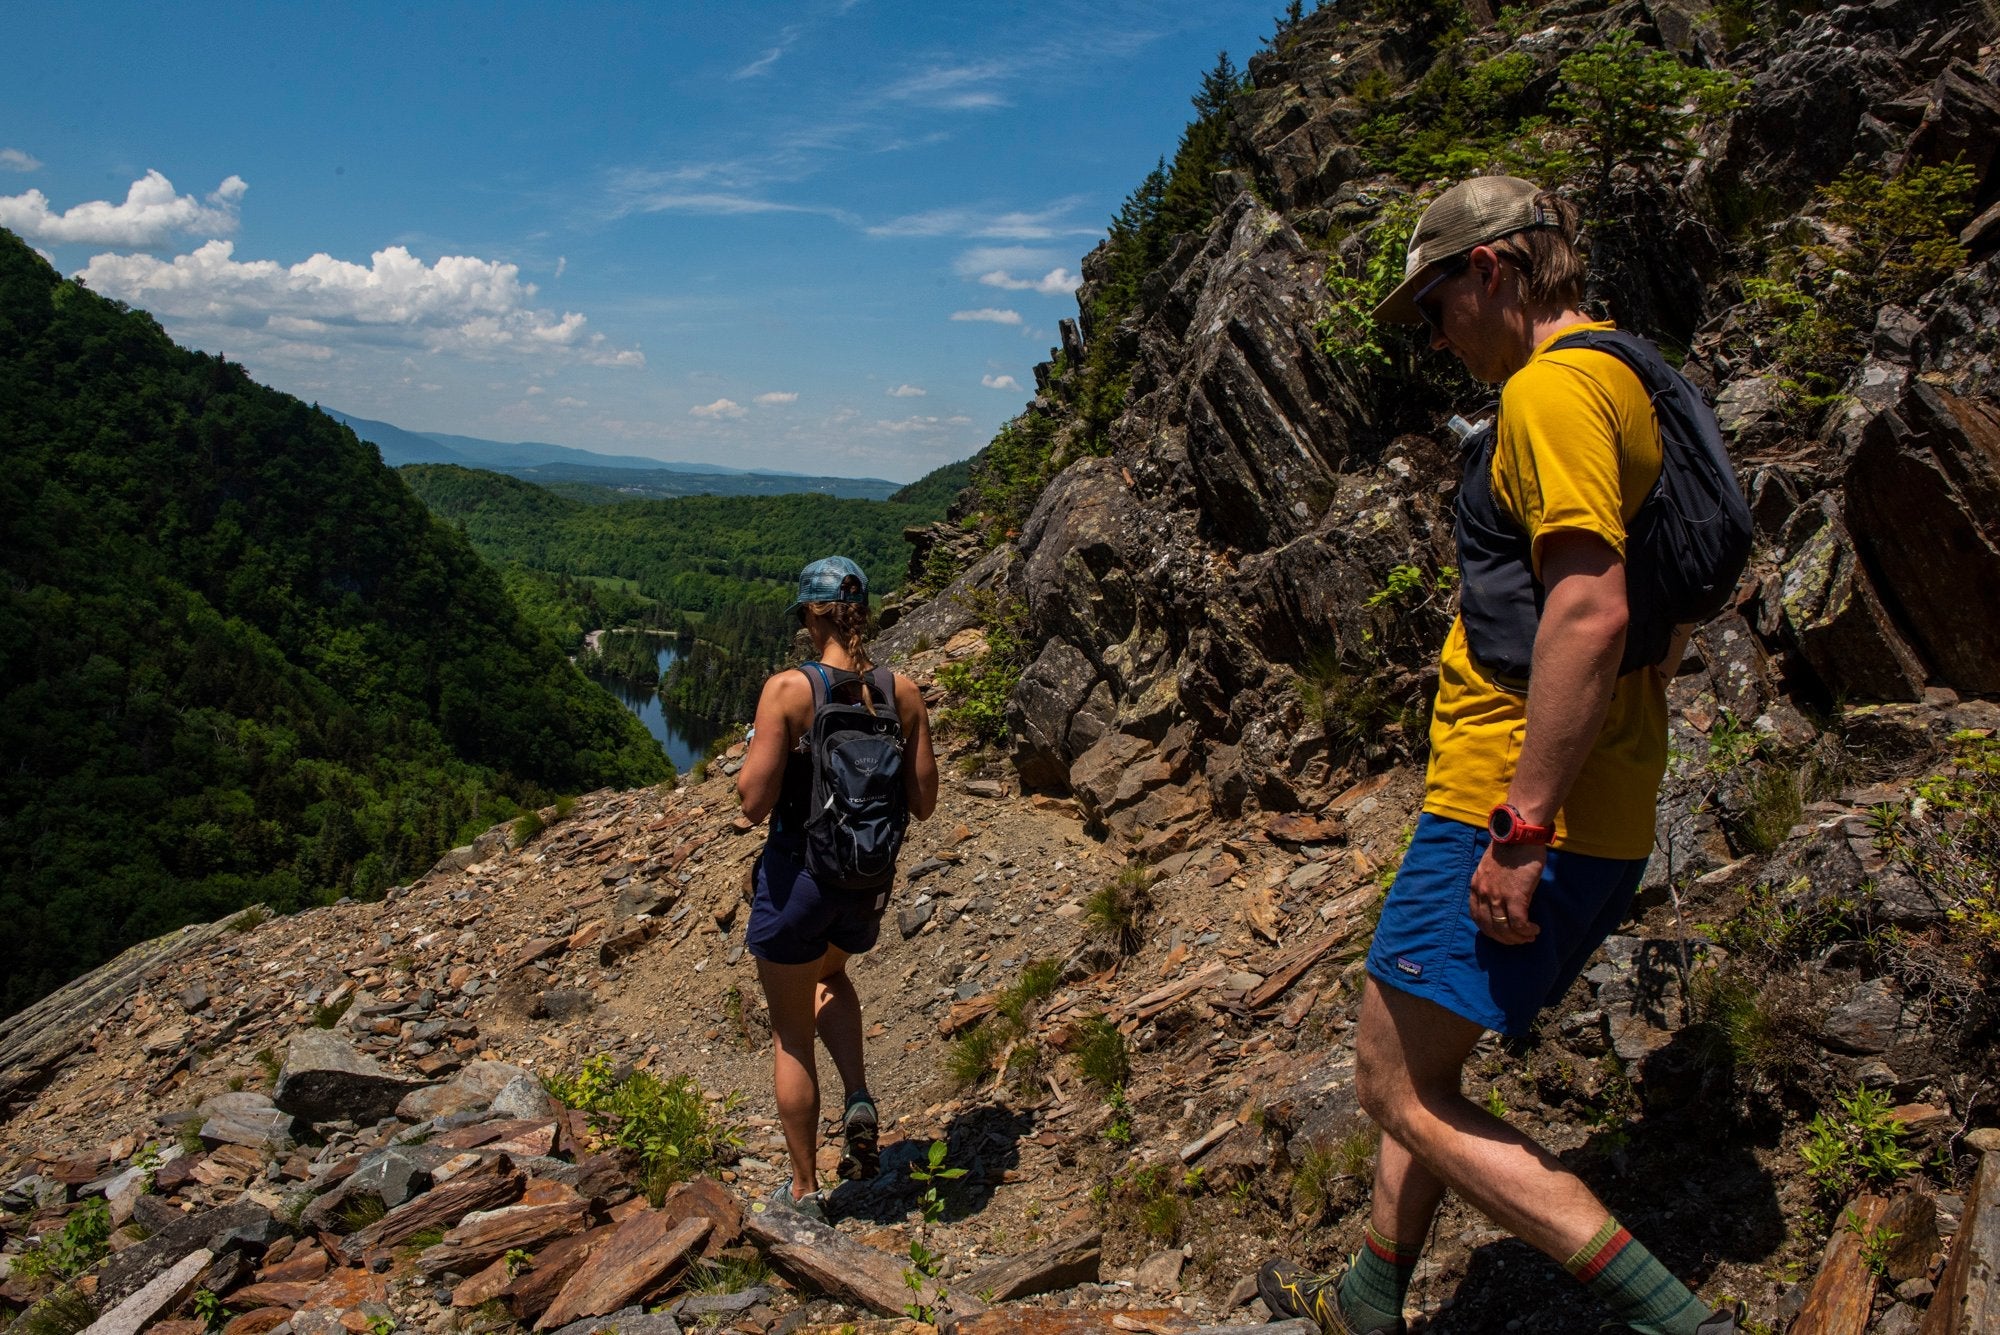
(1634, 1285)
(1371, 1292)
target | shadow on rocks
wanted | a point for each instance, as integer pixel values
(984, 1141)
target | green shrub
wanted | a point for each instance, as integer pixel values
(1776, 804)
(1951, 845)
(666, 1123)
(1320, 1170)
(1743, 1028)
(1859, 1146)
(81, 1244)
(1101, 1055)
(1160, 1216)
(977, 690)
(1639, 106)
(727, 1274)
(1024, 1069)
(1785, 925)
(1346, 328)
(1898, 240)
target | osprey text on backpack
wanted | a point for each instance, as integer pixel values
(858, 809)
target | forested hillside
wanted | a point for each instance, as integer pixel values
(695, 553)
(720, 567)
(239, 660)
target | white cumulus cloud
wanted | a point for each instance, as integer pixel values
(988, 315)
(14, 160)
(1010, 225)
(720, 408)
(999, 382)
(461, 303)
(151, 214)
(1055, 283)
(778, 396)
(906, 392)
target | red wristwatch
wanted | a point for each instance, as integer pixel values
(1508, 826)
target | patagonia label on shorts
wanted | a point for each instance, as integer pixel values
(1409, 966)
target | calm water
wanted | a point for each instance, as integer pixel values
(683, 739)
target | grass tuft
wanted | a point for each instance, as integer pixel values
(326, 1017)
(1101, 1055)
(969, 1058)
(1113, 911)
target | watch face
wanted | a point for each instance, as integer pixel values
(1501, 823)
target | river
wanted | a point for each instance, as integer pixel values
(684, 740)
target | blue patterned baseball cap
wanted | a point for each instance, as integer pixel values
(831, 579)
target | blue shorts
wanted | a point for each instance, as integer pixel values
(793, 922)
(1428, 946)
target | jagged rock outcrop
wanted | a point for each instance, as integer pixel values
(1256, 498)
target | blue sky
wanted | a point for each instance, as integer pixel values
(831, 236)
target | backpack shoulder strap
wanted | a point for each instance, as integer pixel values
(1641, 355)
(884, 682)
(822, 685)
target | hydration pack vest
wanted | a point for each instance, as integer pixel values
(1685, 548)
(857, 811)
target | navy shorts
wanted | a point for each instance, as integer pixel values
(1428, 945)
(793, 922)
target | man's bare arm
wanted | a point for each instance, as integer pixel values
(1577, 647)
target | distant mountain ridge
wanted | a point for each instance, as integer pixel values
(631, 474)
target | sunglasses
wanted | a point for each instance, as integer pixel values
(1433, 313)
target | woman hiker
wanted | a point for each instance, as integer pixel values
(801, 935)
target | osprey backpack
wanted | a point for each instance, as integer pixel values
(858, 810)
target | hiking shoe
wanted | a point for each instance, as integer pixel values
(861, 1157)
(1293, 1291)
(1722, 1321)
(811, 1205)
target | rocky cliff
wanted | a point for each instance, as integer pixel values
(1259, 491)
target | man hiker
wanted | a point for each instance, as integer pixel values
(1538, 803)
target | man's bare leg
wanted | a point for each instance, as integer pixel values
(1410, 1060)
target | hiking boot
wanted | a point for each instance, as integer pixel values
(861, 1156)
(1293, 1291)
(1722, 1321)
(811, 1205)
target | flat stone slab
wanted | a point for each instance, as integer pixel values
(246, 1118)
(159, 1294)
(628, 1321)
(325, 1080)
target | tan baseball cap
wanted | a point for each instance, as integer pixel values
(1469, 214)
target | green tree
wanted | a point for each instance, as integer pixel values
(1639, 106)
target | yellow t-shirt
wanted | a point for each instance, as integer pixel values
(1578, 450)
